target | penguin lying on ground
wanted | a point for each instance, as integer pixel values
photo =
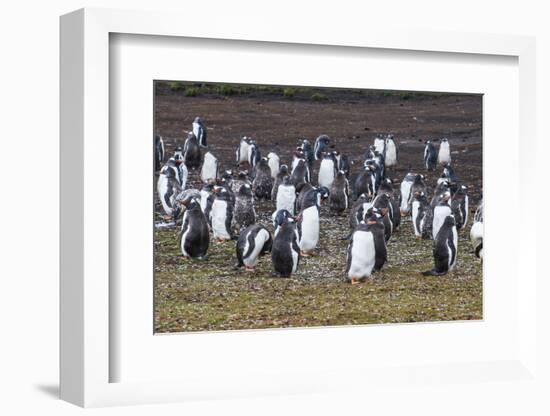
(199, 130)
(445, 248)
(285, 253)
(244, 214)
(194, 237)
(430, 156)
(254, 241)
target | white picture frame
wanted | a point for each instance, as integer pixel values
(86, 356)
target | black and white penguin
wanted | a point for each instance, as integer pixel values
(441, 211)
(273, 161)
(279, 218)
(444, 154)
(443, 186)
(366, 252)
(358, 211)
(308, 222)
(383, 205)
(430, 156)
(449, 175)
(182, 171)
(241, 154)
(365, 183)
(253, 242)
(244, 213)
(219, 213)
(168, 188)
(205, 192)
(422, 216)
(344, 164)
(199, 130)
(301, 190)
(263, 182)
(386, 187)
(194, 237)
(392, 153)
(417, 186)
(283, 172)
(254, 156)
(476, 232)
(159, 152)
(377, 166)
(192, 152)
(445, 248)
(406, 186)
(327, 170)
(307, 149)
(286, 196)
(369, 154)
(339, 194)
(460, 206)
(321, 143)
(209, 170)
(285, 252)
(380, 145)
(300, 174)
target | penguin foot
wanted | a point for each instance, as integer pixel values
(355, 281)
(249, 269)
(167, 217)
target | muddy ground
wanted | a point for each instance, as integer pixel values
(213, 295)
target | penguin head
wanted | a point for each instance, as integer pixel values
(245, 190)
(444, 140)
(324, 192)
(283, 169)
(197, 120)
(281, 217)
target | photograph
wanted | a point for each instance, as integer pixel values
(280, 206)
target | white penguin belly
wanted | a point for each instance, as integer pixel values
(295, 162)
(405, 194)
(379, 145)
(219, 215)
(444, 155)
(452, 263)
(243, 152)
(363, 255)
(286, 196)
(204, 200)
(184, 236)
(415, 208)
(310, 229)
(196, 130)
(273, 163)
(326, 173)
(295, 256)
(440, 213)
(391, 154)
(252, 259)
(208, 170)
(162, 188)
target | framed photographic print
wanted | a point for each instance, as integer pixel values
(280, 214)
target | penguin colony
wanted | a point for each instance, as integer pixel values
(224, 209)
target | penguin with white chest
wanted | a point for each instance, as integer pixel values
(308, 222)
(209, 170)
(283, 172)
(273, 162)
(445, 248)
(444, 154)
(194, 237)
(244, 214)
(327, 170)
(241, 154)
(219, 211)
(168, 188)
(386, 187)
(430, 156)
(460, 206)
(391, 155)
(254, 241)
(476, 232)
(366, 252)
(285, 252)
(422, 216)
(199, 130)
(286, 196)
(441, 211)
(406, 186)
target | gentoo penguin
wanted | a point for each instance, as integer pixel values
(366, 251)
(422, 216)
(444, 155)
(418, 185)
(194, 237)
(263, 182)
(285, 253)
(241, 154)
(254, 156)
(459, 206)
(205, 192)
(406, 186)
(327, 170)
(391, 155)
(273, 162)
(199, 130)
(279, 218)
(445, 248)
(449, 175)
(298, 155)
(339, 194)
(443, 186)
(239, 181)
(376, 165)
(219, 211)
(159, 152)
(386, 187)
(283, 172)
(344, 165)
(476, 232)
(430, 156)
(192, 152)
(253, 242)
(358, 211)
(365, 183)
(307, 149)
(300, 174)
(286, 196)
(308, 222)
(369, 154)
(321, 144)
(209, 170)
(441, 211)
(380, 145)
(168, 188)
(182, 171)
(301, 190)
(383, 205)
(244, 213)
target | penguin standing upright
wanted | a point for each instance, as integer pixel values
(418, 185)
(430, 156)
(253, 242)
(302, 190)
(279, 219)
(192, 152)
(241, 154)
(358, 211)
(459, 206)
(199, 130)
(286, 196)
(283, 172)
(168, 188)
(391, 155)
(219, 212)
(182, 171)
(444, 154)
(422, 216)
(308, 222)
(300, 174)
(307, 149)
(209, 170)
(441, 211)
(273, 162)
(239, 181)
(159, 152)
(406, 186)
(205, 192)
(321, 144)
(285, 252)
(339, 193)
(254, 156)
(380, 145)
(476, 232)
(244, 213)
(386, 187)
(194, 236)
(443, 186)
(366, 251)
(445, 248)
(298, 155)
(327, 170)
(365, 183)
(383, 205)
(263, 182)
(344, 165)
